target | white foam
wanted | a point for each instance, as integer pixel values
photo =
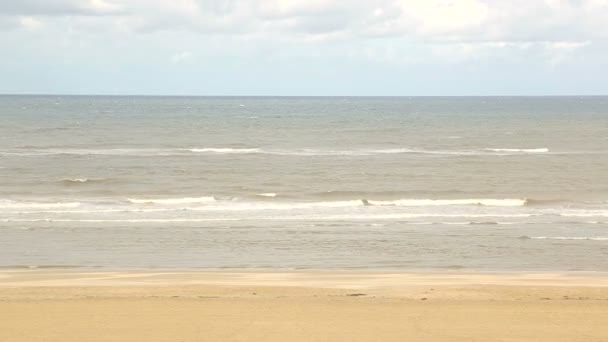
(100, 211)
(585, 213)
(76, 180)
(283, 152)
(169, 201)
(242, 206)
(569, 238)
(524, 150)
(18, 205)
(267, 194)
(318, 152)
(431, 202)
(123, 220)
(108, 152)
(272, 218)
(223, 150)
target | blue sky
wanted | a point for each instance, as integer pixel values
(304, 47)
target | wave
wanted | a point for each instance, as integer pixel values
(277, 151)
(123, 220)
(470, 223)
(210, 203)
(567, 238)
(223, 150)
(109, 152)
(8, 204)
(431, 202)
(524, 150)
(267, 194)
(361, 152)
(387, 194)
(169, 201)
(76, 181)
(279, 218)
(298, 152)
(236, 205)
(586, 213)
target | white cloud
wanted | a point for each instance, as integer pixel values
(320, 20)
(566, 46)
(561, 52)
(181, 57)
(30, 23)
(60, 7)
(391, 32)
(444, 16)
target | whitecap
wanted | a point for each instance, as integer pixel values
(76, 180)
(267, 194)
(523, 150)
(569, 238)
(431, 202)
(269, 218)
(223, 150)
(8, 204)
(169, 201)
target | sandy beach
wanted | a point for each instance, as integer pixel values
(58, 305)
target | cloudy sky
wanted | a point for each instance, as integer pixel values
(304, 47)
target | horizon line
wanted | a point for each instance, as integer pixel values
(302, 96)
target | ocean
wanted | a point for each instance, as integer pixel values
(322, 183)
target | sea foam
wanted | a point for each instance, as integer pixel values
(267, 194)
(169, 201)
(569, 238)
(8, 204)
(224, 150)
(151, 152)
(431, 202)
(523, 150)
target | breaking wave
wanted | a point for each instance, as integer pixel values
(431, 202)
(169, 201)
(8, 204)
(267, 194)
(76, 181)
(224, 150)
(236, 205)
(270, 151)
(523, 150)
(566, 238)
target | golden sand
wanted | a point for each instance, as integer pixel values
(42, 305)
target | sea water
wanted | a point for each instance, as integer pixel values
(372, 183)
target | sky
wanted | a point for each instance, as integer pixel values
(304, 47)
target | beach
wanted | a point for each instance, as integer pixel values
(153, 218)
(64, 305)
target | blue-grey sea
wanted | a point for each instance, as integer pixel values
(369, 183)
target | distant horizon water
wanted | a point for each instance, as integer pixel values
(297, 96)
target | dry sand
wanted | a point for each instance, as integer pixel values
(57, 305)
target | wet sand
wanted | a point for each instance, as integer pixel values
(59, 305)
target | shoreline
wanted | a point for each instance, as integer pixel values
(38, 277)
